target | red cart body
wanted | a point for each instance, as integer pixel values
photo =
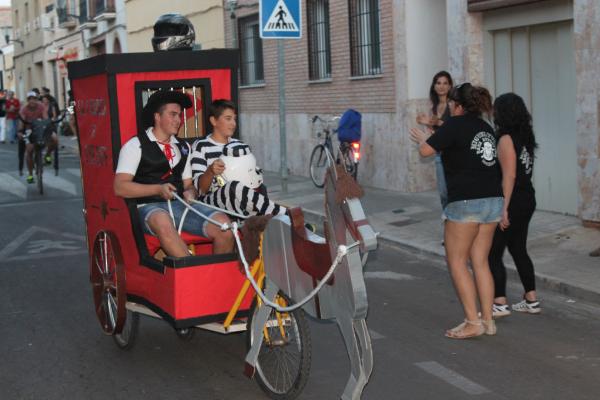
(110, 91)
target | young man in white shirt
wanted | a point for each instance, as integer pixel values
(153, 165)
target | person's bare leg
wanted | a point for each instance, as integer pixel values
(458, 238)
(223, 241)
(29, 151)
(531, 295)
(480, 251)
(170, 241)
(52, 144)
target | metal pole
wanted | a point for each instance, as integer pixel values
(282, 131)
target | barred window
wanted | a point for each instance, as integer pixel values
(251, 51)
(319, 47)
(365, 51)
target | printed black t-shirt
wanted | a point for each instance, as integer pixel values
(523, 195)
(469, 157)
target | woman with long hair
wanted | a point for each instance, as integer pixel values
(475, 203)
(516, 147)
(441, 85)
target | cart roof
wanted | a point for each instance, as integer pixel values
(157, 61)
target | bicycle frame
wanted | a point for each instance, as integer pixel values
(348, 154)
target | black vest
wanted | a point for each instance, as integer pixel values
(154, 168)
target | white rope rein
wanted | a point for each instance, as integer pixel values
(342, 250)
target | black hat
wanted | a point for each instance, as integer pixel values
(159, 98)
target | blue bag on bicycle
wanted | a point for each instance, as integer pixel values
(350, 126)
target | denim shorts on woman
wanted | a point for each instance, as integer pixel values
(193, 223)
(483, 211)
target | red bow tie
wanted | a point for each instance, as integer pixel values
(167, 150)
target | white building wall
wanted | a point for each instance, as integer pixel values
(426, 44)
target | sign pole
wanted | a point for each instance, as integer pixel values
(281, 19)
(283, 170)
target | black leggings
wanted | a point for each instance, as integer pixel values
(515, 238)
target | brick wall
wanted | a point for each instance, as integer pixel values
(369, 95)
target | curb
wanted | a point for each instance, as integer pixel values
(543, 281)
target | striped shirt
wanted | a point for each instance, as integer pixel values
(204, 152)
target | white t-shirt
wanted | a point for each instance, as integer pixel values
(131, 155)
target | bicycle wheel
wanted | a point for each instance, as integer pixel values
(284, 359)
(126, 339)
(347, 160)
(318, 165)
(39, 169)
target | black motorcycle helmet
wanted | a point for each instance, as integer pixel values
(173, 32)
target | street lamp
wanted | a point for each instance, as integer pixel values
(231, 6)
(8, 40)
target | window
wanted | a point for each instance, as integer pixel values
(365, 52)
(251, 51)
(319, 47)
(83, 11)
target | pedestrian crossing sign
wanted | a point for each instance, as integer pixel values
(280, 19)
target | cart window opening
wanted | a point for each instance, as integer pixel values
(193, 125)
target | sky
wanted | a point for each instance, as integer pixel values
(4, 3)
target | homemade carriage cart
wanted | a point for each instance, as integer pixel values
(131, 276)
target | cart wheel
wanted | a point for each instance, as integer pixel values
(126, 339)
(284, 359)
(107, 276)
(185, 334)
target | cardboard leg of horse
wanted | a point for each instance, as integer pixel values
(258, 323)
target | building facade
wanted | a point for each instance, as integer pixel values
(379, 56)
(7, 72)
(49, 34)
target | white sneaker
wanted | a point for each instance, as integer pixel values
(500, 310)
(525, 306)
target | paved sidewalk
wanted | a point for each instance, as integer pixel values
(558, 244)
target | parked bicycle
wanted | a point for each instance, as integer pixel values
(348, 151)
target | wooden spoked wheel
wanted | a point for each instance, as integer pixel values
(107, 275)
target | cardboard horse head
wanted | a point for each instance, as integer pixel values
(296, 260)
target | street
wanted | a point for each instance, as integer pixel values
(53, 348)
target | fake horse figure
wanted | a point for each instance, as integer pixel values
(296, 260)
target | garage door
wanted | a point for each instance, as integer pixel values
(538, 63)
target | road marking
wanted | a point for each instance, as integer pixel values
(37, 202)
(57, 182)
(375, 335)
(12, 185)
(395, 276)
(452, 377)
(43, 248)
(74, 171)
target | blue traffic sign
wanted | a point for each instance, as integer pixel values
(280, 19)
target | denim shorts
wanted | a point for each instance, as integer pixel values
(483, 211)
(193, 223)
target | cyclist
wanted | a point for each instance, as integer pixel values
(32, 110)
(52, 112)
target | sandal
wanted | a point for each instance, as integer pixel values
(458, 332)
(490, 327)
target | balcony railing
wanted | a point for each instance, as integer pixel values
(65, 19)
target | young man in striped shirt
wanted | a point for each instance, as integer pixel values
(208, 167)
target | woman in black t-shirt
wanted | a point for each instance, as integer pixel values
(475, 203)
(516, 147)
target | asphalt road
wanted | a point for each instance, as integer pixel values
(52, 346)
